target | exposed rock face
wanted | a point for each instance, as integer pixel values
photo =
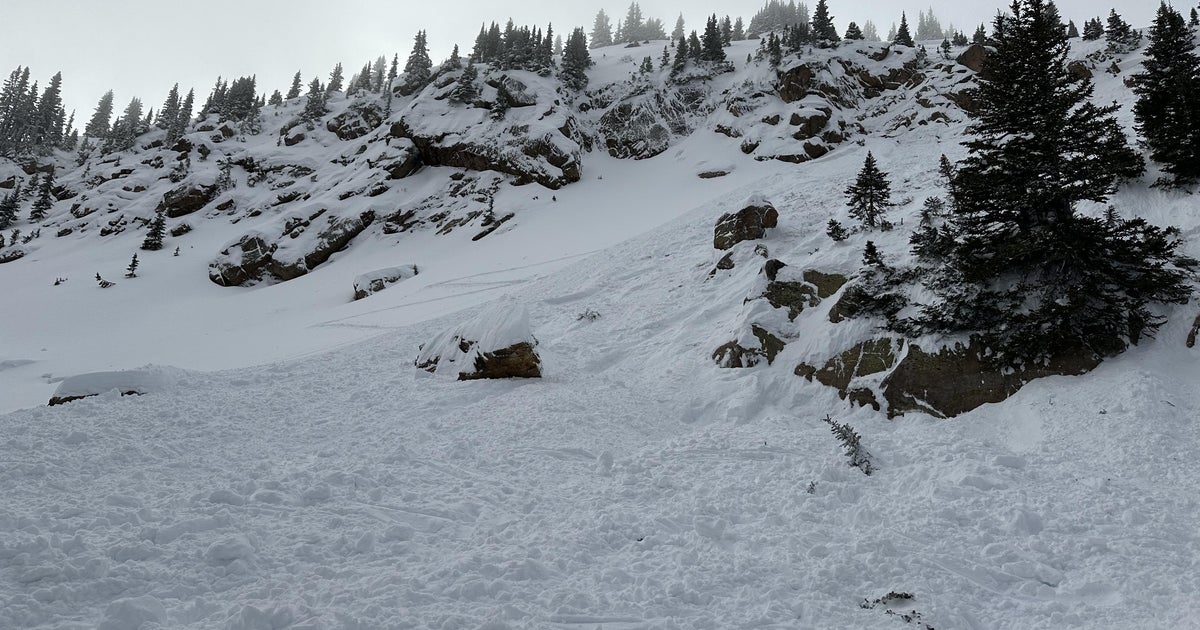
(355, 122)
(643, 126)
(734, 355)
(294, 139)
(368, 284)
(797, 295)
(292, 254)
(515, 92)
(945, 384)
(747, 224)
(517, 361)
(187, 199)
(401, 159)
(1079, 70)
(973, 57)
(795, 83)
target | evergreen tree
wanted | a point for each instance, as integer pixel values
(170, 109)
(127, 128)
(711, 49)
(601, 31)
(853, 32)
(294, 91)
(464, 90)
(576, 61)
(681, 58)
(8, 208)
(1026, 275)
(980, 37)
(48, 130)
(774, 50)
(679, 30)
(739, 30)
(945, 48)
(455, 60)
(418, 68)
(903, 37)
(1072, 30)
(276, 99)
(633, 25)
(180, 123)
(98, 126)
(1168, 106)
(870, 195)
(836, 231)
(314, 106)
(394, 69)
(1093, 29)
(131, 270)
(158, 230)
(695, 49)
(870, 32)
(823, 31)
(960, 39)
(335, 80)
(1120, 36)
(45, 199)
(1195, 19)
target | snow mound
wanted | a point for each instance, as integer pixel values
(375, 281)
(127, 382)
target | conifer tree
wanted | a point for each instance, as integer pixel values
(695, 48)
(417, 69)
(1121, 37)
(726, 31)
(464, 90)
(170, 109)
(131, 270)
(314, 106)
(45, 199)
(739, 30)
(1072, 30)
(711, 48)
(836, 231)
(276, 99)
(679, 28)
(335, 80)
(455, 60)
(294, 91)
(98, 126)
(903, 37)
(1025, 274)
(1195, 19)
(1093, 29)
(681, 58)
(853, 32)
(870, 31)
(576, 61)
(8, 208)
(870, 195)
(980, 36)
(49, 122)
(823, 30)
(158, 230)
(602, 34)
(182, 118)
(1168, 106)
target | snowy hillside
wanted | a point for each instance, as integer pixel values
(280, 462)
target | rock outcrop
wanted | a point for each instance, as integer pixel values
(368, 284)
(749, 223)
(187, 199)
(294, 253)
(496, 344)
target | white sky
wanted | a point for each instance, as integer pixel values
(141, 47)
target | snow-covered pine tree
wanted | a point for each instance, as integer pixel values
(903, 37)
(576, 61)
(726, 31)
(335, 80)
(182, 119)
(853, 32)
(276, 99)
(8, 209)
(131, 270)
(824, 33)
(169, 109)
(418, 68)
(464, 90)
(739, 30)
(711, 49)
(45, 199)
(980, 36)
(601, 31)
(98, 126)
(1027, 276)
(1121, 37)
(314, 107)
(294, 91)
(836, 231)
(1093, 29)
(1168, 106)
(870, 195)
(870, 32)
(158, 230)
(1072, 30)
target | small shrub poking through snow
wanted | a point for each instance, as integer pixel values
(852, 443)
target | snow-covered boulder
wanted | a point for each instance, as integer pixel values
(497, 343)
(307, 240)
(242, 261)
(186, 199)
(749, 223)
(357, 121)
(375, 281)
(128, 383)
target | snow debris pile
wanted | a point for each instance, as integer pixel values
(497, 343)
(375, 281)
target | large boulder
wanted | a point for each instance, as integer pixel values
(496, 344)
(760, 345)
(187, 199)
(795, 83)
(373, 282)
(243, 261)
(974, 57)
(747, 224)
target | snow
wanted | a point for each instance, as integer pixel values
(297, 471)
(454, 351)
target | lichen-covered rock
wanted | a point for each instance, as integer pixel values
(356, 122)
(373, 282)
(498, 343)
(749, 223)
(187, 199)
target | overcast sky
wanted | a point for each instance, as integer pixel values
(141, 47)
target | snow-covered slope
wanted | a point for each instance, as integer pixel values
(301, 473)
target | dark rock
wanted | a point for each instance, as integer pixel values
(974, 57)
(815, 150)
(62, 400)
(712, 174)
(294, 139)
(1191, 338)
(810, 125)
(733, 355)
(336, 236)
(747, 224)
(865, 359)
(180, 230)
(187, 199)
(515, 93)
(956, 380)
(1079, 70)
(242, 262)
(400, 163)
(11, 254)
(643, 127)
(881, 54)
(771, 268)
(8, 184)
(795, 83)
(369, 284)
(827, 284)
(355, 122)
(518, 361)
(227, 131)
